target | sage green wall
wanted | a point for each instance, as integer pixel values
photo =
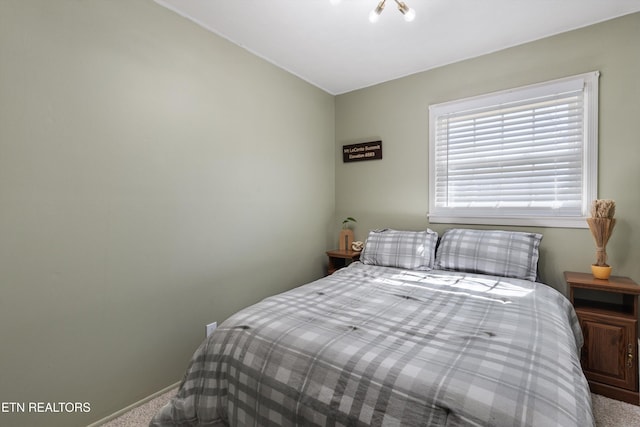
(153, 178)
(393, 192)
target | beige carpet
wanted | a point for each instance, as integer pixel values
(608, 413)
(613, 413)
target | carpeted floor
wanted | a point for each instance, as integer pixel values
(613, 413)
(141, 415)
(608, 413)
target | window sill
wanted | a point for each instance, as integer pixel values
(555, 222)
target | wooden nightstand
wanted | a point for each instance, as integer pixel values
(340, 258)
(608, 314)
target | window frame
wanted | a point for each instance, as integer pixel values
(463, 215)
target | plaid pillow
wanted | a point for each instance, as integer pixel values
(413, 250)
(494, 252)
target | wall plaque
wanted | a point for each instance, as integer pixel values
(364, 151)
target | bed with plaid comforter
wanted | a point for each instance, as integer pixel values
(378, 346)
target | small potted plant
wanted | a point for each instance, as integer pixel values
(601, 224)
(346, 234)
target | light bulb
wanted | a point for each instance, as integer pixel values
(375, 13)
(410, 15)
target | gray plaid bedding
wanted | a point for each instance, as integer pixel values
(378, 346)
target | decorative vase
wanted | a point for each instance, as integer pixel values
(346, 239)
(601, 271)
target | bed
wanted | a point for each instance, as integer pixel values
(409, 336)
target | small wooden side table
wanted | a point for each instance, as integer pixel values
(608, 314)
(339, 258)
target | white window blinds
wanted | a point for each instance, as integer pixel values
(518, 157)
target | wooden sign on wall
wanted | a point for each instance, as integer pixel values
(364, 151)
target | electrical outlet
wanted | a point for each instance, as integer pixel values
(211, 327)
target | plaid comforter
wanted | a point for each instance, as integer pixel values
(376, 346)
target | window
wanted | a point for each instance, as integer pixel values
(526, 156)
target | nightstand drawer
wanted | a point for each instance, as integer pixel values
(609, 353)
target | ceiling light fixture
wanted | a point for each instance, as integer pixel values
(409, 14)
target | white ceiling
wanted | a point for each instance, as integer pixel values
(337, 49)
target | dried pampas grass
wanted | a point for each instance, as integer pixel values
(601, 225)
(603, 208)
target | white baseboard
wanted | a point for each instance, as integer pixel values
(133, 406)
